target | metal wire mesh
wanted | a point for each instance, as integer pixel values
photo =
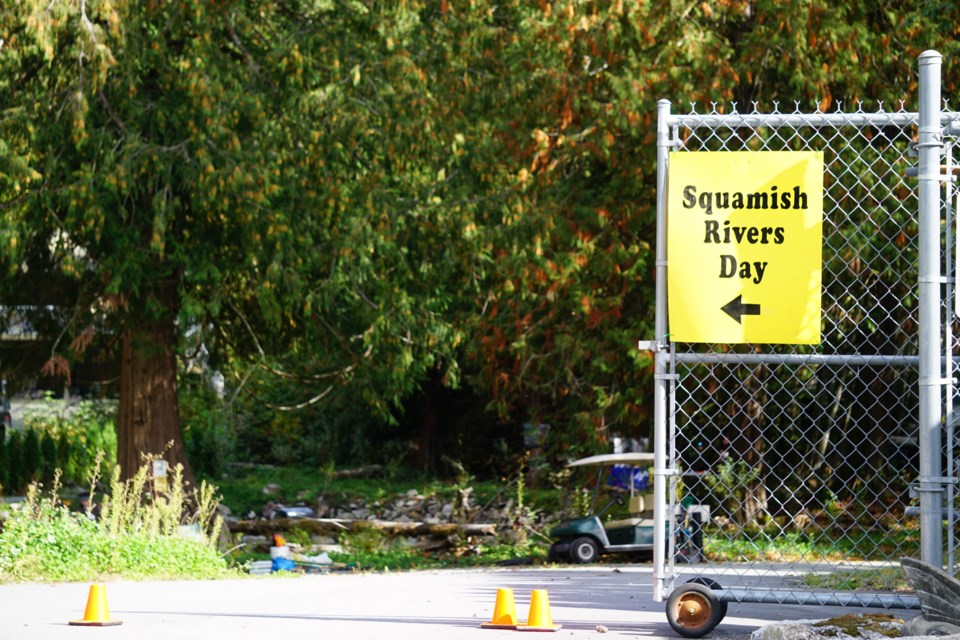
(805, 455)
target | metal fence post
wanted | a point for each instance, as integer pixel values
(660, 358)
(929, 146)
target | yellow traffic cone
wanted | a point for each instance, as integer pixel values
(539, 618)
(504, 612)
(97, 614)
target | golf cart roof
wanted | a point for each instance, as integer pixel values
(613, 458)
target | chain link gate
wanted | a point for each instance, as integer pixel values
(780, 466)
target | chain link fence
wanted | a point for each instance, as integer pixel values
(791, 473)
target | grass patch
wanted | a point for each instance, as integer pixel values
(887, 579)
(400, 557)
(777, 545)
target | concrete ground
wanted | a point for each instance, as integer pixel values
(609, 600)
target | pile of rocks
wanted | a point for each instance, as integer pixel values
(405, 507)
(414, 507)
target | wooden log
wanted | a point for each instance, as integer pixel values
(359, 472)
(336, 525)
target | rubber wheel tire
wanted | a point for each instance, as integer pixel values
(584, 551)
(693, 610)
(713, 584)
(553, 555)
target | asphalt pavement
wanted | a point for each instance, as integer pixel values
(614, 601)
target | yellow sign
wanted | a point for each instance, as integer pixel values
(744, 238)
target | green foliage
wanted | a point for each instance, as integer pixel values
(242, 487)
(394, 558)
(16, 475)
(459, 192)
(66, 439)
(66, 461)
(777, 545)
(729, 484)
(209, 427)
(139, 535)
(363, 541)
(48, 458)
(299, 536)
(339, 246)
(399, 556)
(892, 578)
(369, 551)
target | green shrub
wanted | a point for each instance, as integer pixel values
(140, 534)
(32, 458)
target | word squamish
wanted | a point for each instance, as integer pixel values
(764, 200)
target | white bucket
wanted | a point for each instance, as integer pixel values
(279, 552)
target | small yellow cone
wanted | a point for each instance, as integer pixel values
(539, 618)
(504, 612)
(97, 614)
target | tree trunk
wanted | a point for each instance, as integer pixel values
(149, 417)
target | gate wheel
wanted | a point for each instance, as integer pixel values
(713, 584)
(693, 610)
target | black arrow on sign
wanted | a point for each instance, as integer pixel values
(735, 309)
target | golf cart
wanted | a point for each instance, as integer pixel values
(583, 540)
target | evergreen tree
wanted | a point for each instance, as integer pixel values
(4, 466)
(15, 459)
(65, 458)
(49, 460)
(32, 457)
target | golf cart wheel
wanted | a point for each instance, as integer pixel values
(584, 550)
(553, 554)
(713, 584)
(693, 610)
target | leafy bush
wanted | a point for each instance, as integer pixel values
(140, 534)
(729, 485)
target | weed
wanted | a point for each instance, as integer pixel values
(364, 541)
(892, 578)
(140, 534)
(299, 536)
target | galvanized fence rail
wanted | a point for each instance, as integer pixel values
(837, 458)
